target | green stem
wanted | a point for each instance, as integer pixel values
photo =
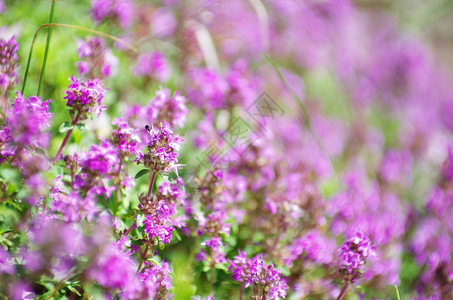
(29, 60)
(46, 51)
(397, 292)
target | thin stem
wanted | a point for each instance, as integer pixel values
(130, 228)
(241, 292)
(46, 51)
(29, 60)
(211, 280)
(397, 292)
(343, 290)
(151, 183)
(66, 138)
(143, 257)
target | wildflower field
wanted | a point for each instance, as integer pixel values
(226, 149)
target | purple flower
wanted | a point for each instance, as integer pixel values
(6, 265)
(114, 269)
(8, 61)
(74, 208)
(153, 66)
(317, 247)
(167, 108)
(207, 89)
(97, 165)
(163, 23)
(396, 167)
(85, 96)
(217, 253)
(6, 149)
(264, 279)
(125, 137)
(27, 121)
(354, 253)
(157, 280)
(21, 290)
(101, 159)
(34, 260)
(121, 10)
(157, 220)
(215, 243)
(98, 61)
(163, 147)
(160, 211)
(215, 224)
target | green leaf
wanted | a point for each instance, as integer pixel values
(82, 126)
(66, 126)
(137, 242)
(141, 173)
(360, 288)
(72, 289)
(161, 246)
(178, 237)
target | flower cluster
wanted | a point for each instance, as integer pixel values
(28, 120)
(264, 279)
(94, 167)
(162, 108)
(160, 211)
(354, 253)
(162, 150)
(85, 96)
(97, 60)
(156, 279)
(120, 10)
(153, 66)
(8, 62)
(125, 138)
(215, 255)
(167, 108)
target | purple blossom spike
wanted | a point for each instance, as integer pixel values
(157, 281)
(74, 208)
(354, 253)
(121, 10)
(167, 108)
(85, 96)
(28, 119)
(157, 218)
(97, 60)
(5, 262)
(207, 89)
(264, 279)
(101, 160)
(8, 61)
(114, 269)
(153, 66)
(217, 253)
(163, 147)
(125, 137)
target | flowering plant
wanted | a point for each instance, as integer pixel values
(259, 149)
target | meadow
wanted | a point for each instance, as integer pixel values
(241, 149)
